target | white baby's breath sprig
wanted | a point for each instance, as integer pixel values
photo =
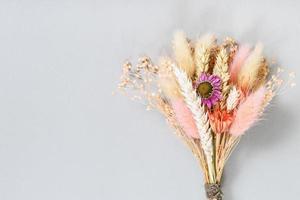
(200, 116)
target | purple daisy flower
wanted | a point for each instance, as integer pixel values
(209, 89)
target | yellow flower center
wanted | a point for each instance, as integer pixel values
(205, 89)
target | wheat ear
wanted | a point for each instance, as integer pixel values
(232, 99)
(202, 53)
(221, 70)
(200, 116)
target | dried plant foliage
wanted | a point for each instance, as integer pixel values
(210, 96)
(221, 70)
(192, 100)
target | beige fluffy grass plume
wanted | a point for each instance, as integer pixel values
(249, 71)
(202, 53)
(167, 81)
(183, 53)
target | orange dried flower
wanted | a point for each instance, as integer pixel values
(220, 120)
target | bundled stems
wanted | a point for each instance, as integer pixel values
(209, 93)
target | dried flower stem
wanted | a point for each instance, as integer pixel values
(228, 144)
(221, 70)
(193, 144)
(200, 117)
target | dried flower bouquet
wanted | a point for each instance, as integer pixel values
(210, 94)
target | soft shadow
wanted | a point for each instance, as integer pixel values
(270, 132)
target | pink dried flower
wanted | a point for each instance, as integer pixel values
(209, 89)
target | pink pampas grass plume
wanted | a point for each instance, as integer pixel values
(185, 118)
(248, 112)
(238, 61)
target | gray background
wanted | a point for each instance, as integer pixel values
(64, 136)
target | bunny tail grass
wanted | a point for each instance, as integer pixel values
(166, 79)
(238, 61)
(248, 73)
(248, 112)
(183, 53)
(185, 118)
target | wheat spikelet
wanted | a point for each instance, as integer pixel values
(202, 53)
(232, 47)
(221, 70)
(262, 74)
(183, 53)
(232, 99)
(200, 117)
